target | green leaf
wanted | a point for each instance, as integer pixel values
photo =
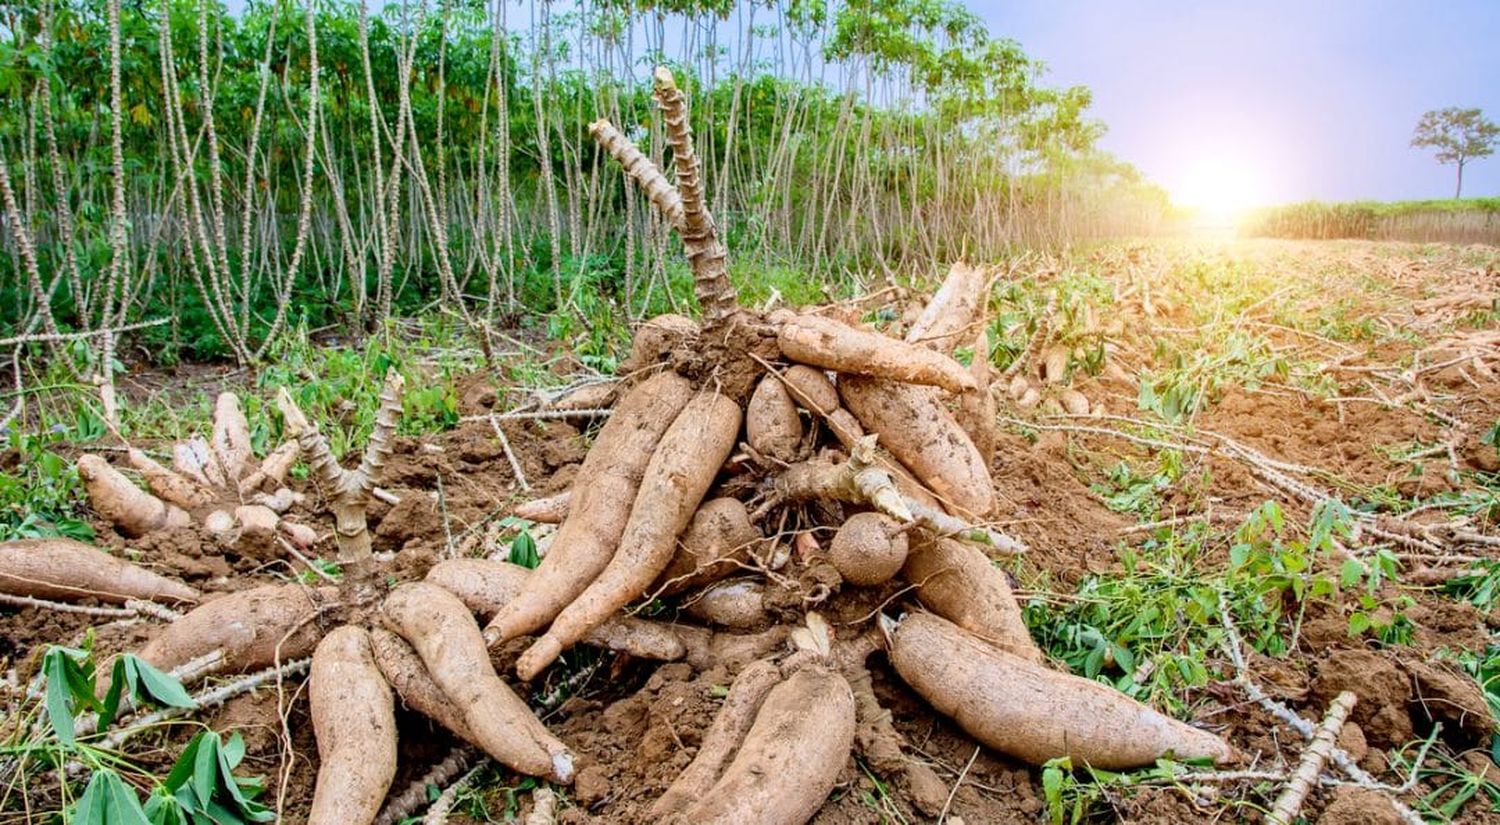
(1238, 555)
(109, 801)
(1052, 780)
(70, 687)
(205, 769)
(1350, 573)
(163, 689)
(523, 551)
(182, 771)
(59, 709)
(1358, 623)
(119, 675)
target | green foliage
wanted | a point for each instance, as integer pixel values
(1492, 436)
(1072, 795)
(70, 677)
(109, 801)
(339, 387)
(1198, 375)
(1126, 492)
(1456, 135)
(202, 788)
(523, 551)
(40, 495)
(1479, 586)
(813, 183)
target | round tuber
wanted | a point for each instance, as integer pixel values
(868, 549)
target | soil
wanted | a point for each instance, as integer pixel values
(635, 724)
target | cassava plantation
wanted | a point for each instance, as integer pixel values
(453, 411)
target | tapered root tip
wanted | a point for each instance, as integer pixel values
(562, 767)
(543, 652)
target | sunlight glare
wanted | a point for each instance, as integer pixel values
(1218, 190)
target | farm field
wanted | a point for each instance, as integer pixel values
(1249, 476)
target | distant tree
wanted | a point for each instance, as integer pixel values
(1458, 136)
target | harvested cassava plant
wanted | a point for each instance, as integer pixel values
(673, 545)
(213, 482)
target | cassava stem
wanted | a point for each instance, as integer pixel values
(349, 491)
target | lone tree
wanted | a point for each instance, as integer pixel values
(1458, 136)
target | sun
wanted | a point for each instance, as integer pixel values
(1218, 190)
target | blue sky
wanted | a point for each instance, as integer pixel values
(1313, 99)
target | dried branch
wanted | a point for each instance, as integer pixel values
(1311, 767)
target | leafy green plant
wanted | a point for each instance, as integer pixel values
(1146, 632)
(201, 789)
(42, 496)
(1125, 491)
(1492, 436)
(70, 678)
(1271, 566)
(523, 551)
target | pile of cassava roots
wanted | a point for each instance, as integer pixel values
(728, 437)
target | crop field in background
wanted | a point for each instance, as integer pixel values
(1472, 220)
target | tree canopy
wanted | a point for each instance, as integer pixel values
(1457, 136)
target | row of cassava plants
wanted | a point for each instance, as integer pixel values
(656, 514)
(1472, 220)
(227, 176)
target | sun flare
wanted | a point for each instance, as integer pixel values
(1218, 190)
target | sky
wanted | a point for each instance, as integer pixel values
(1278, 101)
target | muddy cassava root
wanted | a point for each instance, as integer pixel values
(717, 542)
(252, 628)
(678, 475)
(486, 586)
(1022, 709)
(722, 738)
(354, 718)
(824, 342)
(63, 569)
(789, 759)
(599, 508)
(958, 581)
(439, 627)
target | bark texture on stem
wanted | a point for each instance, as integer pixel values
(639, 168)
(700, 236)
(349, 491)
(1313, 760)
